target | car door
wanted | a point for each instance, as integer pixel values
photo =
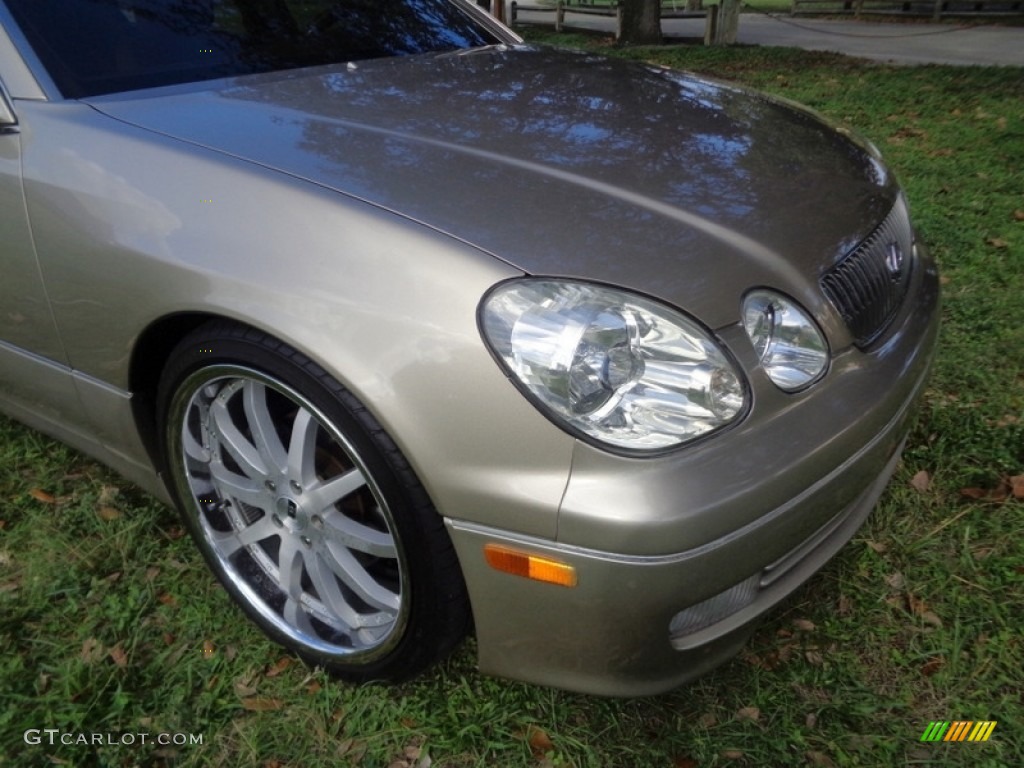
(35, 382)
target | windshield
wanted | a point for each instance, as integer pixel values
(92, 47)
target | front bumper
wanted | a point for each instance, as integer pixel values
(767, 503)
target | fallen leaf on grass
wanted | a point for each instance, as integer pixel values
(844, 606)
(352, 749)
(1018, 215)
(245, 687)
(933, 665)
(753, 714)
(278, 667)
(92, 651)
(119, 656)
(167, 599)
(896, 580)
(877, 546)
(108, 514)
(1017, 486)
(261, 705)
(920, 608)
(814, 658)
(208, 649)
(921, 481)
(732, 754)
(684, 762)
(40, 495)
(805, 625)
(707, 720)
(539, 741)
(107, 494)
(997, 242)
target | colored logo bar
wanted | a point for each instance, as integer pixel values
(959, 730)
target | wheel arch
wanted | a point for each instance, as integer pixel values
(150, 355)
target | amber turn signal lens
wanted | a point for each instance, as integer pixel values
(529, 566)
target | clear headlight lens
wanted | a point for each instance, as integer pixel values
(793, 351)
(621, 369)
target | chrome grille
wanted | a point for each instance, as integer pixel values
(868, 285)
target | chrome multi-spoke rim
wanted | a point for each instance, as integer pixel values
(290, 513)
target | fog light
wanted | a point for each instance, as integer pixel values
(714, 609)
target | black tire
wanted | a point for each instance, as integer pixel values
(273, 463)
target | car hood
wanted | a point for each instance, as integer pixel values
(560, 163)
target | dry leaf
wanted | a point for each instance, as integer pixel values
(707, 720)
(208, 649)
(107, 494)
(40, 495)
(92, 651)
(279, 666)
(313, 688)
(119, 656)
(896, 580)
(261, 704)
(997, 242)
(877, 546)
(814, 658)
(1018, 215)
(684, 762)
(930, 617)
(167, 599)
(933, 665)
(973, 493)
(752, 714)
(540, 742)
(732, 754)
(845, 606)
(1017, 486)
(108, 514)
(916, 605)
(921, 481)
(805, 625)
(811, 721)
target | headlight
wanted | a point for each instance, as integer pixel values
(619, 368)
(792, 350)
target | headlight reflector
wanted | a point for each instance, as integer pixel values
(792, 350)
(622, 369)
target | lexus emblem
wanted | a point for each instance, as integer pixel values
(894, 260)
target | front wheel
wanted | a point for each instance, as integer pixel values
(305, 509)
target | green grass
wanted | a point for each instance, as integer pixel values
(110, 623)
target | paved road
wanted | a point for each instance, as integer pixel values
(901, 43)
